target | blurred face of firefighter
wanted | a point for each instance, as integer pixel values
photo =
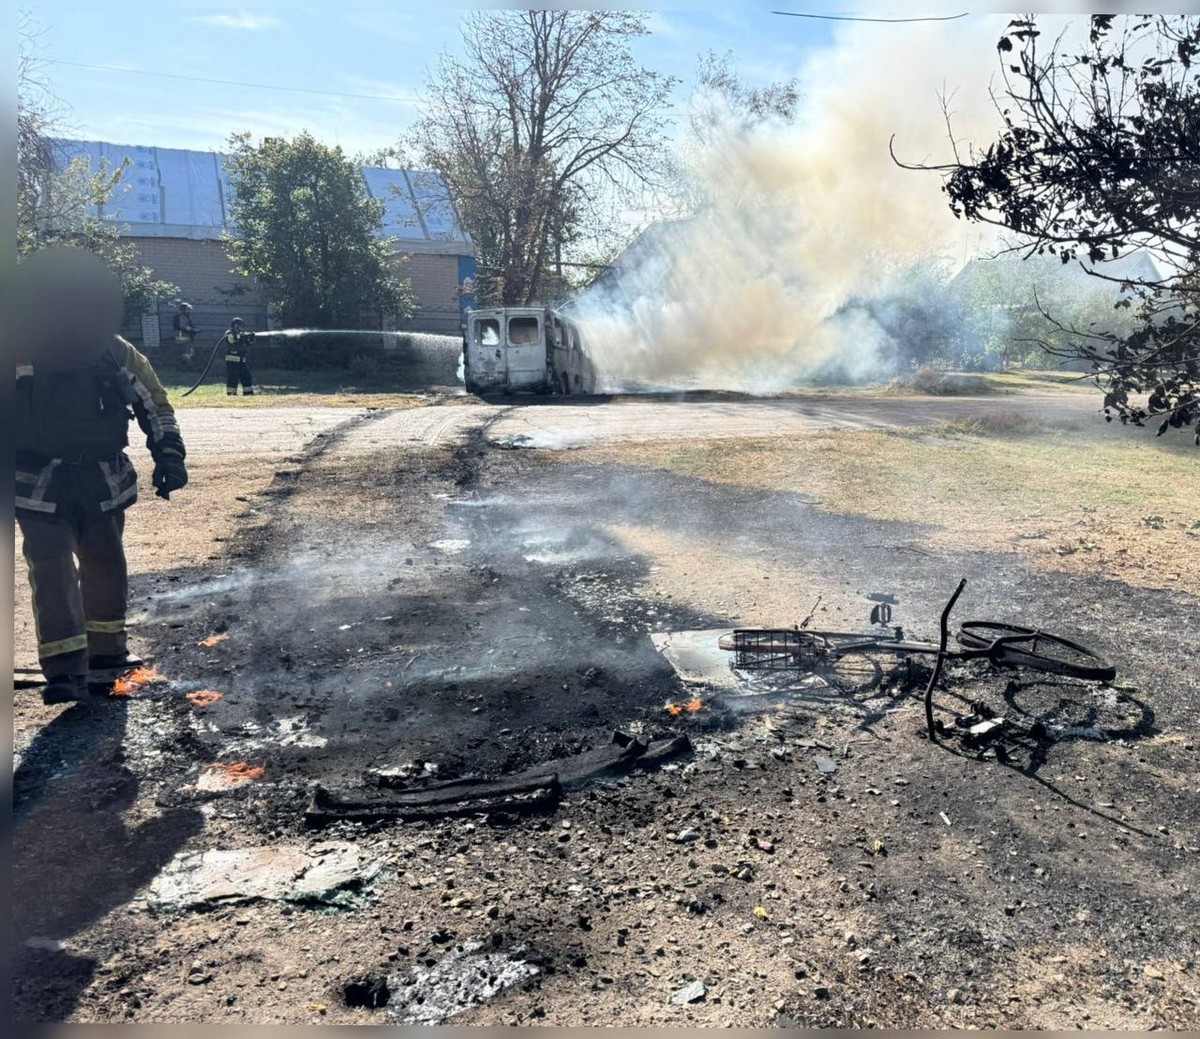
(68, 307)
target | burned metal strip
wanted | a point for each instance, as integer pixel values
(516, 797)
(537, 789)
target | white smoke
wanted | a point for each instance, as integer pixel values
(801, 218)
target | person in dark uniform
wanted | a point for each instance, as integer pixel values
(79, 385)
(237, 347)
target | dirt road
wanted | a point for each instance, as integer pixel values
(535, 422)
(231, 449)
(406, 595)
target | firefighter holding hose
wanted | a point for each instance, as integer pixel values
(237, 371)
(78, 386)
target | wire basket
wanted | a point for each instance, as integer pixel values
(776, 649)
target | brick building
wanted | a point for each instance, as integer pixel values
(173, 205)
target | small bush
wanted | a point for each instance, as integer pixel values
(941, 384)
(991, 423)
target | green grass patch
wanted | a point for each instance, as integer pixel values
(1028, 380)
(275, 387)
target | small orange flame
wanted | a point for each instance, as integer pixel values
(237, 771)
(692, 706)
(204, 697)
(212, 640)
(136, 681)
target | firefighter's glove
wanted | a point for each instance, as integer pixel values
(170, 474)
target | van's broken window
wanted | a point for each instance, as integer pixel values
(487, 332)
(522, 330)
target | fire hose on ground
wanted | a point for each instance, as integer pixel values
(204, 374)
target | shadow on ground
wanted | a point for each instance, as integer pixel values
(75, 855)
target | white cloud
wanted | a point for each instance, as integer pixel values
(243, 21)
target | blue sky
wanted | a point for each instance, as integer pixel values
(358, 47)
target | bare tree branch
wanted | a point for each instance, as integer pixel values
(546, 115)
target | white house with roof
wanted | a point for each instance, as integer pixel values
(173, 204)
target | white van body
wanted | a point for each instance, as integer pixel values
(524, 350)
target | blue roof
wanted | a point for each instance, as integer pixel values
(179, 193)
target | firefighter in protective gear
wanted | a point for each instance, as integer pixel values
(185, 333)
(78, 386)
(185, 329)
(237, 346)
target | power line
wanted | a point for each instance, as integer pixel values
(853, 18)
(233, 83)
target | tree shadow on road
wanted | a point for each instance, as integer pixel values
(75, 857)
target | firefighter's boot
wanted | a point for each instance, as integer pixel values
(65, 689)
(114, 662)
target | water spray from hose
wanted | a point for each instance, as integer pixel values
(430, 344)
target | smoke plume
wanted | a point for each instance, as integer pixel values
(799, 219)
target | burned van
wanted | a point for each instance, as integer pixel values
(524, 350)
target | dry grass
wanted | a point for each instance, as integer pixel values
(1128, 507)
(988, 423)
(938, 383)
(711, 574)
(216, 509)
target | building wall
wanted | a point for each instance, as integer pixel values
(435, 285)
(206, 280)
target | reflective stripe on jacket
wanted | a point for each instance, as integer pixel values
(237, 346)
(104, 484)
(100, 486)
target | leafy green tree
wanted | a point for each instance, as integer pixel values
(310, 234)
(1004, 302)
(57, 202)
